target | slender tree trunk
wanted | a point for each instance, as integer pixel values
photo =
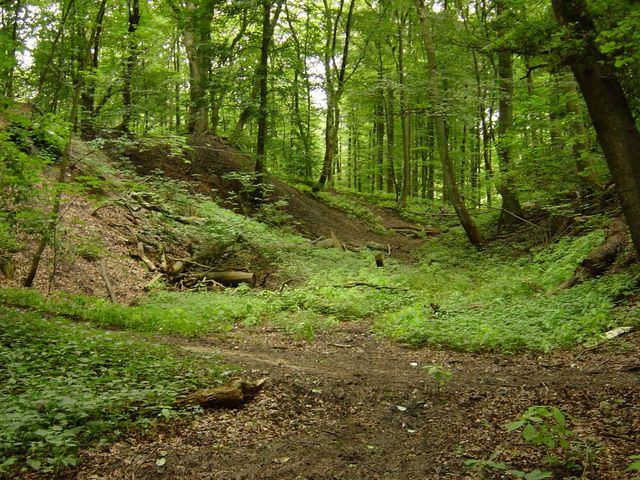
(379, 140)
(335, 81)
(511, 210)
(470, 228)
(392, 179)
(87, 97)
(262, 72)
(130, 63)
(404, 118)
(10, 30)
(616, 129)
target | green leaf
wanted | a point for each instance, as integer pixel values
(537, 475)
(559, 417)
(514, 425)
(530, 434)
(35, 464)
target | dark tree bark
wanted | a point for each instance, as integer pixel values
(262, 74)
(130, 63)
(608, 107)
(92, 56)
(10, 31)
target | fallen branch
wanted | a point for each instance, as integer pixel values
(107, 282)
(232, 395)
(139, 253)
(370, 285)
(600, 259)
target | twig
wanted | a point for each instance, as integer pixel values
(341, 345)
(107, 282)
(370, 285)
(144, 460)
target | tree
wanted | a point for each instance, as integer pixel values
(511, 210)
(335, 80)
(130, 62)
(609, 109)
(262, 74)
(470, 228)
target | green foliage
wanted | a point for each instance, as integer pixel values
(440, 374)
(490, 303)
(547, 426)
(492, 465)
(64, 385)
(353, 209)
(542, 425)
(634, 466)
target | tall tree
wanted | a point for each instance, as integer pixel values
(608, 107)
(470, 228)
(335, 61)
(262, 74)
(9, 41)
(511, 210)
(130, 62)
(194, 20)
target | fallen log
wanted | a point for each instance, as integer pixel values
(232, 395)
(601, 258)
(139, 253)
(107, 282)
(230, 278)
(331, 242)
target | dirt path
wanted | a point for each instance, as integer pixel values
(353, 406)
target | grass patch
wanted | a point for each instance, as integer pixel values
(486, 301)
(64, 385)
(353, 209)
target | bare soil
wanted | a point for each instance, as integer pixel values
(352, 405)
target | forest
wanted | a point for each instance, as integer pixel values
(337, 239)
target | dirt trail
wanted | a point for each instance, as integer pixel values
(353, 406)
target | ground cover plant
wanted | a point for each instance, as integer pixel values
(475, 301)
(65, 385)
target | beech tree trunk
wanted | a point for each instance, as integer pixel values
(511, 209)
(130, 63)
(92, 55)
(335, 80)
(470, 228)
(615, 127)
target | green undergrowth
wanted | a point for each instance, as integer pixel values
(352, 207)
(479, 301)
(453, 297)
(65, 385)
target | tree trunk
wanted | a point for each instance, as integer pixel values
(404, 117)
(262, 74)
(92, 55)
(392, 180)
(334, 85)
(617, 132)
(511, 210)
(10, 30)
(470, 228)
(130, 63)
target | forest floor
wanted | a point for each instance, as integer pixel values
(352, 405)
